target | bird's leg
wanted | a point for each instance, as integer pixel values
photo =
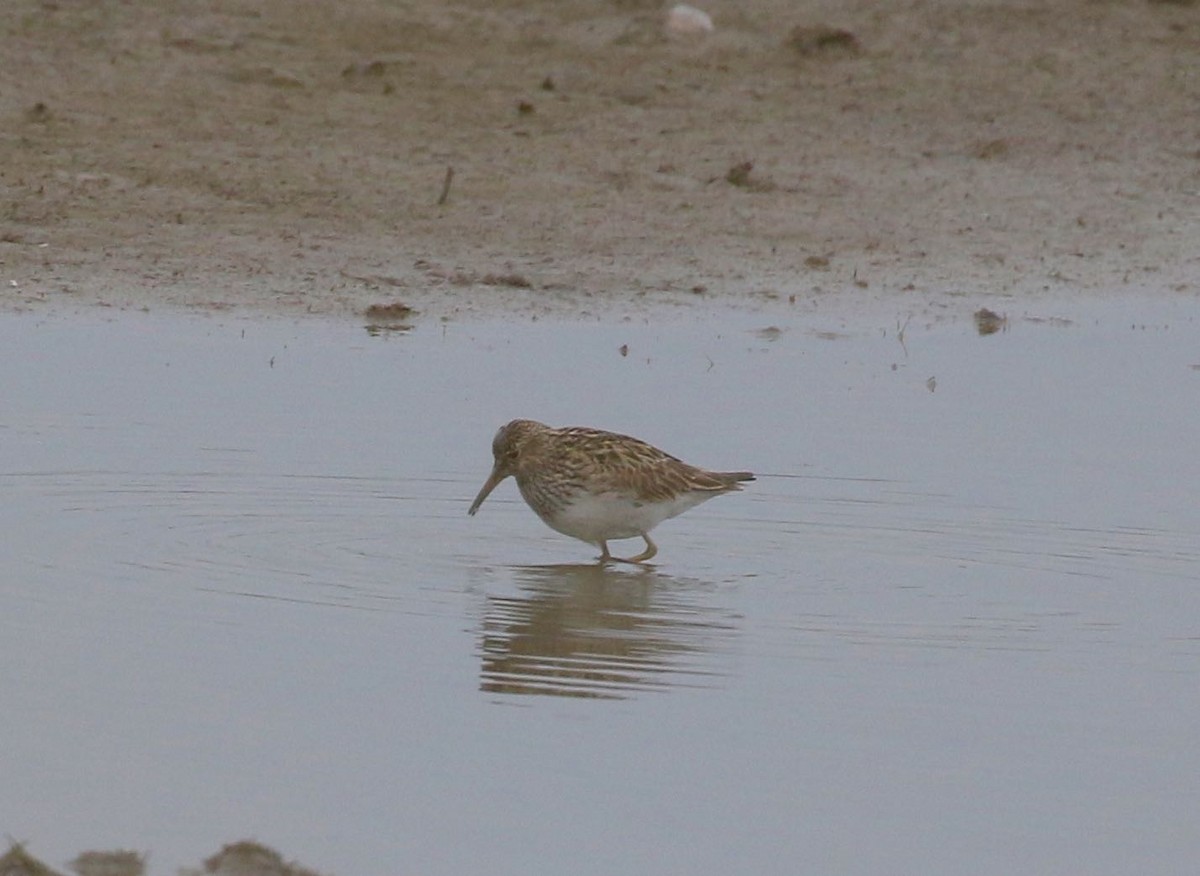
(605, 556)
(647, 554)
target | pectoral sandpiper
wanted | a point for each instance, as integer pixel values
(596, 486)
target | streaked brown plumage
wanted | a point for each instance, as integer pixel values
(595, 485)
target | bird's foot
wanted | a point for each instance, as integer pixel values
(641, 559)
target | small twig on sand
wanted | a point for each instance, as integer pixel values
(446, 186)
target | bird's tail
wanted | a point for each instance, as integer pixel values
(733, 478)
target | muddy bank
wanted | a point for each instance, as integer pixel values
(293, 157)
(243, 858)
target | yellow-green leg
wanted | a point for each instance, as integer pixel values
(647, 554)
(644, 556)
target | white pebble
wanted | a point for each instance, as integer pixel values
(686, 21)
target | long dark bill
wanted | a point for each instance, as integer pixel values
(490, 484)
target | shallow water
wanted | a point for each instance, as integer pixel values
(953, 627)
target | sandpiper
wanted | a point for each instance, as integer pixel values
(595, 485)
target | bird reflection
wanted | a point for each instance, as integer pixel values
(592, 631)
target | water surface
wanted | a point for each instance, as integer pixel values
(953, 627)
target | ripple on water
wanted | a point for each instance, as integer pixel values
(311, 539)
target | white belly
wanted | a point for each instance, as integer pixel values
(598, 518)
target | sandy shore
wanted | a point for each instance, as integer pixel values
(289, 157)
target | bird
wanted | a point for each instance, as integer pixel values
(597, 486)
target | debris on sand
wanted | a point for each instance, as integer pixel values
(121, 862)
(739, 174)
(395, 311)
(39, 112)
(988, 322)
(266, 75)
(742, 176)
(463, 277)
(387, 319)
(514, 281)
(18, 862)
(446, 182)
(248, 858)
(375, 68)
(990, 150)
(374, 280)
(820, 39)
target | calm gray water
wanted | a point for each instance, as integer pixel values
(953, 628)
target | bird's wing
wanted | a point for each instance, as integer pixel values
(635, 468)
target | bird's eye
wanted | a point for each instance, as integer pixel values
(511, 454)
